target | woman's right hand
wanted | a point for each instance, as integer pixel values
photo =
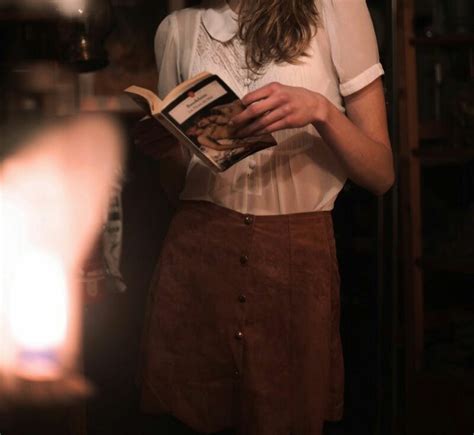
(153, 139)
(157, 142)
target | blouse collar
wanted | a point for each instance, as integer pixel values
(220, 21)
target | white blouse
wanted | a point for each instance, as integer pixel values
(301, 173)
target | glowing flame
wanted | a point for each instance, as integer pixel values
(54, 194)
(35, 282)
(39, 302)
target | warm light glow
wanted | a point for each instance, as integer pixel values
(65, 7)
(39, 301)
(54, 195)
(34, 292)
(70, 7)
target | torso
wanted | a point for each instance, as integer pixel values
(301, 173)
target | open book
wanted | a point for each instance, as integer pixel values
(197, 112)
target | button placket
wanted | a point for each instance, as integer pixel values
(241, 297)
(244, 258)
(248, 220)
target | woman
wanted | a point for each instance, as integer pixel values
(243, 322)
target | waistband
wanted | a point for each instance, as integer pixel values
(207, 207)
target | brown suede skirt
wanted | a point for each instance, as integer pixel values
(243, 323)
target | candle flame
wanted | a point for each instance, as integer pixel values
(39, 302)
(54, 195)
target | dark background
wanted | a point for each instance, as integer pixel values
(370, 238)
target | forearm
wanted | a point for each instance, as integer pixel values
(367, 161)
(360, 139)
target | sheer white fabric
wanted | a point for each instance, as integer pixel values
(301, 173)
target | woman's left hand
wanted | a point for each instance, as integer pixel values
(276, 107)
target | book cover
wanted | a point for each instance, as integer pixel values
(198, 114)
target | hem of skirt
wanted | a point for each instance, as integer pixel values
(151, 404)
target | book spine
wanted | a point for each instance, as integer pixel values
(186, 141)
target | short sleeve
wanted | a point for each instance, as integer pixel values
(354, 49)
(166, 55)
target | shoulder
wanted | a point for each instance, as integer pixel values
(187, 15)
(179, 25)
(334, 9)
(339, 3)
(345, 18)
(352, 42)
(356, 9)
(180, 19)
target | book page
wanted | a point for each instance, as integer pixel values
(203, 114)
(196, 101)
(183, 87)
(146, 99)
(152, 104)
(198, 112)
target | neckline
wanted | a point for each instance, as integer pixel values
(220, 21)
(233, 12)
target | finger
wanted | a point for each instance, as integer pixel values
(255, 110)
(261, 93)
(263, 122)
(276, 126)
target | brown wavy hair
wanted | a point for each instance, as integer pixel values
(276, 30)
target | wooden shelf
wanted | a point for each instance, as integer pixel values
(433, 129)
(442, 402)
(464, 265)
(440, 318)
(440, 155)
(449, 40)
(436, 402)
(464, 377)
(364, 245)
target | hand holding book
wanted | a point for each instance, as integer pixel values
(216, 132)
(153, 139)
(198, 113)
(275, 107)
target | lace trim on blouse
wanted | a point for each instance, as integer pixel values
(228, 56)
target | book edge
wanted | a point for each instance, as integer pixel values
(185, 140)
(183, 87)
